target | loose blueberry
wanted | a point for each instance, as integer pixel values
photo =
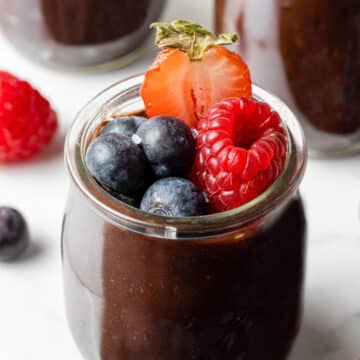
(117, 163)
(14, 234)
(168, 144)
(126, 125)
(174, 197)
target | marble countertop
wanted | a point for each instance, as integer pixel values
(32, 318)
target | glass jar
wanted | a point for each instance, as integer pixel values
(142, 286)
(308, 53)
(79, 33)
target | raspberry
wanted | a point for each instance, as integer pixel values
(241, 150)
(27, 122)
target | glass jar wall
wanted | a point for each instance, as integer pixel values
(221, 286)
(79, 33)
(308, 53)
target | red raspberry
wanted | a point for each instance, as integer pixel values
(241, 150)
(27, 122)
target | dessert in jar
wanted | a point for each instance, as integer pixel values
(308, 53)
(79, 33)
(184, 230)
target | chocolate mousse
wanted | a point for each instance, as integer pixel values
(320, 45)
(84, 22)
(306, 51)
(141, 297)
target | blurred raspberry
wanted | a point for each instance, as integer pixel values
(27, 122)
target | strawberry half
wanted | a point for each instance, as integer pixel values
(192, 73)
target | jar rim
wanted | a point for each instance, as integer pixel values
(121, 214)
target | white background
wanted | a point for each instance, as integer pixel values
(32, 321)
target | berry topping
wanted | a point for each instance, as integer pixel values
(27, 122)
(192, 73)
(126, 125)
(117, 164)
(168, 144)
(195, 84)
(241, 150)
(14, 234)
(174, 197)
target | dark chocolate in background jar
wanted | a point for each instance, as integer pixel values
(84, 22)
(91, 34)
(308, 53)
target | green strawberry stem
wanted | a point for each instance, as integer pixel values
(189, 37)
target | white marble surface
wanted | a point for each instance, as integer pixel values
(32, 321)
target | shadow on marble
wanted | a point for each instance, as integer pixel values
(312, 344)
(331, 322)
(54, 150)
(341, 343)
(32, 253)
(346, 164)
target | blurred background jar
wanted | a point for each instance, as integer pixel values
(79, 33)
(308, 53)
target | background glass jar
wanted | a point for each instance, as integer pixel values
(79, 33)
(222, 286)
(308, 53)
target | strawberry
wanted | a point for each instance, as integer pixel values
(193, 72)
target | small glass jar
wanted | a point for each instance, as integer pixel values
(308, 53)
(142, 286)
(79, 33)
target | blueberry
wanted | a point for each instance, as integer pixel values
(126, 125)
(132, 201)
(174, 196)
(14, 234)
(168, 144)
(117, 163)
